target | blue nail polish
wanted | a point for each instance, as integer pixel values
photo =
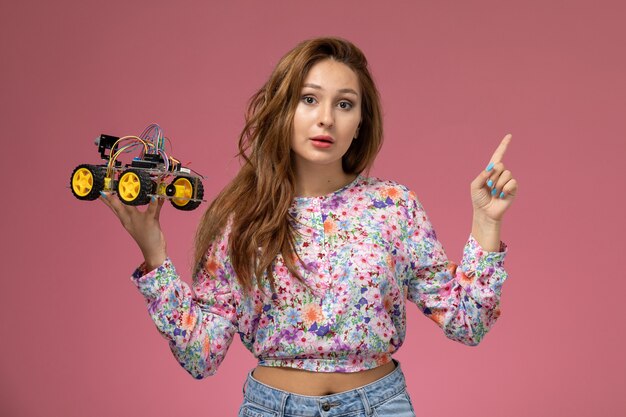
(502, 194)
(490, 183)
(153, 198)
(489, 166)
(494, 191)
(103, 194)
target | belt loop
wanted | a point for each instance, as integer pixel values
(245, 383)
(366, 403)
(283, 404)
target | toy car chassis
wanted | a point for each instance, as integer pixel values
(153, 173)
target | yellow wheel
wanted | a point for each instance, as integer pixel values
(186, 193)
(87, 181)
(129, 186)
(134, 186)
(82, 181)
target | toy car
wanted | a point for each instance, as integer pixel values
(152, 173)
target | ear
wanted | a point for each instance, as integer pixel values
(356, 134)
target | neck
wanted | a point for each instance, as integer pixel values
(318, 181)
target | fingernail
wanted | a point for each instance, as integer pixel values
(153, 198)
(502, 194)
(494, 191)
(103, 194)
(490, 183)
(489, 166)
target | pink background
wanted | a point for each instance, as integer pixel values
(455, 77)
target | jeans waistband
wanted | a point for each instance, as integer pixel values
(362, 398)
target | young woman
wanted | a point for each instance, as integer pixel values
(310, 261)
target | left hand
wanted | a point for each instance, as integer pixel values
(487, 204)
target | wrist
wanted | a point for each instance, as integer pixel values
(484, 221)
(153, 262)
(487, 233)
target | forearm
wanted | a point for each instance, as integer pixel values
(199, 322)
(487, 233)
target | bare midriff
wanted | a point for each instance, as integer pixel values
(303, 382)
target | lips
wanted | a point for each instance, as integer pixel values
(323, 139)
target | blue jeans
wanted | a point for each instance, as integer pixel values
(384, 397)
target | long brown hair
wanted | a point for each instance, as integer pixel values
(256, 202)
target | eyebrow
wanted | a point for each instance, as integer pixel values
(341, 90)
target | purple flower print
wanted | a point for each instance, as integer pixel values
(378, 204)
(361, 302)
(382, 204)
(333, 203)
(290, 335)
(322, 330)
(430, 234)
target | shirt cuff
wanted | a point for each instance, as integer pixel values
(479, 262)
(152, 283)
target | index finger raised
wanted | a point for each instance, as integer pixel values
(499, 153)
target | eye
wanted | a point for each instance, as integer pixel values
(346, 105)
(308, 99)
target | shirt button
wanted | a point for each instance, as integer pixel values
(326, 407)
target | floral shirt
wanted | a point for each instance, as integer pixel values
(368, 248)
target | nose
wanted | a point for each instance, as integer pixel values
(326, 116)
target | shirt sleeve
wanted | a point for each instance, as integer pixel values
(199, 322)
(464, 300)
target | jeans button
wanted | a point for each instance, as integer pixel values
(326, 407)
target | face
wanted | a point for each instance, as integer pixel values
(327, 116)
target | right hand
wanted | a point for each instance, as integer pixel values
(143, 227)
